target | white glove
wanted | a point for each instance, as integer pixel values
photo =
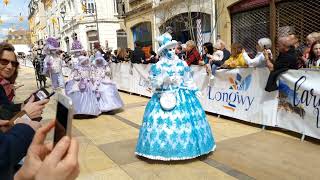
(199, 94)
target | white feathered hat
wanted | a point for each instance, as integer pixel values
(166, 42)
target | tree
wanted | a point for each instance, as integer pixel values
(167, 9)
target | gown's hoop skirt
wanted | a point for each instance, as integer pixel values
(109, 99)
(179, 134)
(84, 102)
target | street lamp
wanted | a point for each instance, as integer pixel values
(63, 15)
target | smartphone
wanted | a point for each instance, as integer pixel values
(41, 94)
(64, 116)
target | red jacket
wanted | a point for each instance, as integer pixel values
(193, 57)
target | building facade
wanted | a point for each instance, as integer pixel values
(37, 22)
(86, 20)
(188, 19)
(89, 21)
(19, 37)
(265, 18)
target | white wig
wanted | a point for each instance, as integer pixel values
(265, 43)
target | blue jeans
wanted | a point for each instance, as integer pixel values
(214, 69)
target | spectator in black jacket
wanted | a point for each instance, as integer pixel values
(44, 162)
(138, 55)
(154, 58)
(286, 60)
(14, 145)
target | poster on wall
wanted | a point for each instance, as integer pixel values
(299, 102)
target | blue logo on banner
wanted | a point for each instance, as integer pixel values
(234, 98)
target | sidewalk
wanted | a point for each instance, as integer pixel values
(107, 147)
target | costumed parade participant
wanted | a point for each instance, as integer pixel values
(76, 50)
(53, 63)
(174, 125)
(106, 91)
(79, 88)
(38, 62)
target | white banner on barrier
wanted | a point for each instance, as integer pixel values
(299, 102)
(239, 93)
(141, 82)
(122, 75)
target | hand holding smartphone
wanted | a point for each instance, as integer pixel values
(39, 95)
(64, 116)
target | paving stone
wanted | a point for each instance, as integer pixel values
(121, 152)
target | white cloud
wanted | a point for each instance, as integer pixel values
(6, 18)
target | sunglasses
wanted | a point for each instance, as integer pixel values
(5, 62)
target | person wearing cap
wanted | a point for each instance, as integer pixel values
(105, 89)
(53, 63)
(79, 88)
(174, 124)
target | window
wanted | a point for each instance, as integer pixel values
(142, 32)
(67, 41)
(120, 7)
(90, 7)
(92, 38)
(122, 38)
(115, 2)
(92, 35)
(74, 36)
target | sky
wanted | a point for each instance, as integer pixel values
(10, 16)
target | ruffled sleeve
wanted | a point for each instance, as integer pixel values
(188, 81)
(155, 77)
(255, 61)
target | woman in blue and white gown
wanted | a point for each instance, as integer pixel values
(106, 90)
(182, 132)
(79, 88)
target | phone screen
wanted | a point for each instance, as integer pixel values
(41, 95)
(61, 123)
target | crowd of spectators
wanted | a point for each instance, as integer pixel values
(291, 54)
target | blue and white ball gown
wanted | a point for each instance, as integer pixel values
(106, 90)
(181, 133)
(79, 88)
